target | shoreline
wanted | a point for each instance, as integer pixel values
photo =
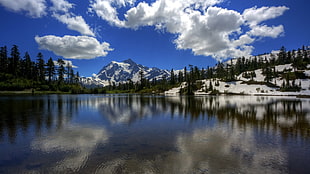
(30, 92)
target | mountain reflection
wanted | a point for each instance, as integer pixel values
(289, 115)
(23, 114)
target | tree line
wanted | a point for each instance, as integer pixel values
(21, 72)
(228, 71)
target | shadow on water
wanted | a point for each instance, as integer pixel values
(148, 134)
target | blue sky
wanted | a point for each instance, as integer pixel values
(157, 33)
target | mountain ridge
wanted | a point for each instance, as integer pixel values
(124, 71)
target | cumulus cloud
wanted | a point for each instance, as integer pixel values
(265, 31)
(74, 47)
(256, 15)
(76, 23)
(61, 12)
(198, 25)
(33, 8)
(107, 9)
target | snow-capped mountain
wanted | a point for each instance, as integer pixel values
(120, 72)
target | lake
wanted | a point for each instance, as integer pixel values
(154, 134)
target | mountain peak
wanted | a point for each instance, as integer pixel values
(129, 61)
(128, 69)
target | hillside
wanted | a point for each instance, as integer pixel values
(277, 73)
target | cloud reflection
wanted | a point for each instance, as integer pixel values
(215, 150)
(78, 142)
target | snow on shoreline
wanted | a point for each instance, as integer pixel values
(240, 86)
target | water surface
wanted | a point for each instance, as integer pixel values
(154, 134)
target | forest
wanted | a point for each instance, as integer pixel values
(22, 73)
(19, 73)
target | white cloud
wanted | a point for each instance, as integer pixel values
(79, 140)
(61, 5)
(60, 10)
(74, 47)
(209, 34)
(107, 9)
(256, 15)
(265, 31)
(33, 8)
(199, 25)
(76, 23)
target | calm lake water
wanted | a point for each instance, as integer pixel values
(154, 134)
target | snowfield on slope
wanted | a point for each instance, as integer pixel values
(240, 86)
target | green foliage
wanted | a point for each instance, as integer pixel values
(18, 74)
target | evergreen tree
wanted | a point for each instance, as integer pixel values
(50, 69)
(220, 71)
(172, 77)
(210, 86)
(14, 64)
(142, 84)
(180, 77)
(61, 70)
(238, 66)
(197, 75)
(77, 77)
(3, 60)
(27, 66)
(69, 72)
(71, 75)
(298, 61)
(185, 74)
(40, 67)
(282, 58)
(209, 73)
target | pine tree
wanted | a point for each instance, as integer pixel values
(61, 70)
(142, 84)
(180, 77)
(14, 63)
(27, 66)
(210, 86)
(282, 58)
(220, 71)
(77, 77)
(172, 77)
(69, 73)
(71, 79)
(50, 69)
(185, 74)
(3, 60)
(40, 67)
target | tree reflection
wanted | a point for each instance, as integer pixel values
(34, 112)
(287, 115)
(23, 114)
